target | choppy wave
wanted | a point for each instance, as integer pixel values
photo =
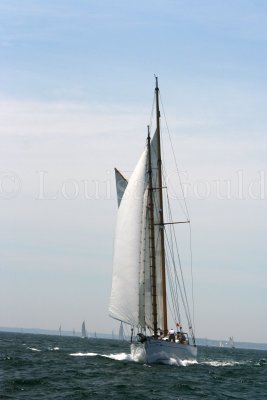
(79, 354)
(232, 363)
(51, 367)
(49, 348)
(216, 363)
(117, 357)
(33, 349)
(134, 358)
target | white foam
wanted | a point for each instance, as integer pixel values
(172, 361)
(119, 357)
(33, 349)
(221, 363)
(186, 363)
(137, 357)
(84, 354)
(179, 363)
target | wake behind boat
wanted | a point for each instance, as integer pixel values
(148, 284)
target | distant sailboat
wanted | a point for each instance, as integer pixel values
(121, 332)
(146, 257)
(231, 342)
(84, 334)
(59, 330)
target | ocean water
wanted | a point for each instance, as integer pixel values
(50, 367)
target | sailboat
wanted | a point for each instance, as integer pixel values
(121, 332)
(142, 296)
(231, 342)
(84, 334)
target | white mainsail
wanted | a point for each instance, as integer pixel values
(133, 255)
(124, 300)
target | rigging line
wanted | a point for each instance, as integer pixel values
(164, 176)
(180, 265)
(181, 271)
(173, 286)
(192, 277)
(173, 290)
(182, 294)
(176, 279)
(170, 281)
(176, 286)
(173, 231)
(172, 252)
(176, 165)
(172, 309)
(175, 315)
(170, 185)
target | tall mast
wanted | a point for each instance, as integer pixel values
(161, 215)
(152, 238)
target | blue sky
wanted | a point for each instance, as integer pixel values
(76, 90)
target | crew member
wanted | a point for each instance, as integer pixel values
(171, 335)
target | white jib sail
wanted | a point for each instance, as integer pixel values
(124, 300)
(121, 184)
